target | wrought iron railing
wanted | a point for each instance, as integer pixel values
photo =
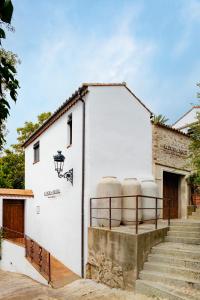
(38, 256)
(135, 210)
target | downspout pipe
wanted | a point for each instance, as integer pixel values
(83, 189)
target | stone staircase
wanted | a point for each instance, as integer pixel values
(195, 215)
(173, 267)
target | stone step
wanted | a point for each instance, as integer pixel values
(178, 246)
(176, 252)
(185, 240)
(194, 217)
(185, 228)
(185, 223)
(176, 271)
(175, 261)
(196, 213)
(169, 279)
(186, 234)
(158, 290)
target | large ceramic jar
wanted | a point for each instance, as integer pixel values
(107, 187)
(149, 188)
(131, 186)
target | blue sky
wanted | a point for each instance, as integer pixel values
(152, 45)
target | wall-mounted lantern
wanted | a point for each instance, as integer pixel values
(59, 163)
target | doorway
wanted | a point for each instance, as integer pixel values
(13, 218)
(170, 191)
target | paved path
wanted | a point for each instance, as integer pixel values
(19, 287)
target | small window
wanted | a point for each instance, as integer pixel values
(69, 123)
(36, 149)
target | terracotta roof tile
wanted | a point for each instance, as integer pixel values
(16, 192)
(69, 103)
(104, 84)
(171, 128)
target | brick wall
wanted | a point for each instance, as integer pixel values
(196, 199)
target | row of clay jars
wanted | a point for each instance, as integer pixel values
(110, 186)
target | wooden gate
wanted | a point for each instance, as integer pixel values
(170, 190)
(13, 218)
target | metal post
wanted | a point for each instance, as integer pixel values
(136, 219)
(26, 254)
(32, 250)
(40, 258)
(156, 221)
(90, 212)
(49, 268)
(110, 213)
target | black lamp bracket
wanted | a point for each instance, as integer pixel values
(68, 175)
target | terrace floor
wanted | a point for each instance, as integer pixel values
(145, 227)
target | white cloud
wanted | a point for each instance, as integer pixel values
(189, 18)
(120, 56)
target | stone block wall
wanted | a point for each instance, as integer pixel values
(115, 258)
(170, 147)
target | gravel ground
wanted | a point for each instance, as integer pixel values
(19, 287)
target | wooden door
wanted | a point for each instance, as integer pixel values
(170, 190)
(13, 217)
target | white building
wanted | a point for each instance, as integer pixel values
(102, 130)
(185, 121)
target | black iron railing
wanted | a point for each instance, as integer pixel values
(135, 209)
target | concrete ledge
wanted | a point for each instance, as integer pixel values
(115, 258)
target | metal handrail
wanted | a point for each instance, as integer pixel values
(127, 196)
(136, 209)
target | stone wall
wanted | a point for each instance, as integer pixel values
(115, 258)
(170, 147)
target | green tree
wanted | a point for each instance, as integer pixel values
(8, 82)
(159, 119)
(29, 127)
(12, 170)
(12, 160)
(198, 94)
(194, 150)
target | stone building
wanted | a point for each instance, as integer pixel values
(171, 167)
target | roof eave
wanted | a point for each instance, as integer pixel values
(57, 114)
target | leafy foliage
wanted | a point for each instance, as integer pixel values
(159, 119)
(12, 161)
(6, 11)
(29, 127)
(198, 94)
(194, 149)
(12, 170)
(8, 82)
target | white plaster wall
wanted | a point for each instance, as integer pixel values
(118, 143)
(58, 226)
(118, 136)
(118, 139)
(187, 119)
(1, 212)
(13, 260)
